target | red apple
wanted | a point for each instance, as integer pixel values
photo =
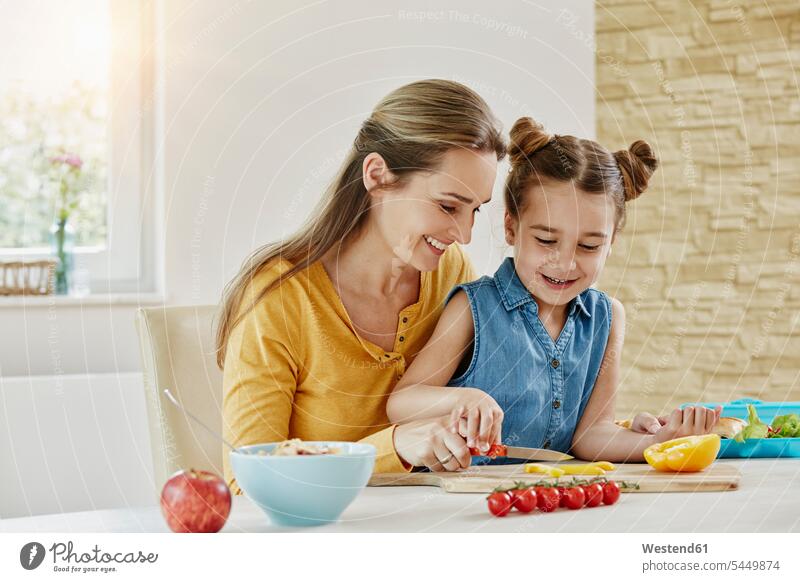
(195, 502)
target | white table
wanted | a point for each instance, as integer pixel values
(768, 500)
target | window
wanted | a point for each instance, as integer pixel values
(72, 83)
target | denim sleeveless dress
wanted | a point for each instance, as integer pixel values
(542, 385)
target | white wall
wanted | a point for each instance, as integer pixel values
(261, 99)
(266, 101)
(73, 443)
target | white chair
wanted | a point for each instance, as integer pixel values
(177, 347)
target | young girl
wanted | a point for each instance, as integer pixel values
(531, 356)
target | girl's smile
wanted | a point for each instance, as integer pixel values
(557, 284)
(561, 241)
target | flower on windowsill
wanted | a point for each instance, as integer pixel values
(65, 172)
(72, 160)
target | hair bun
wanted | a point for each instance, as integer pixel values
(526, 138)
(636, 165)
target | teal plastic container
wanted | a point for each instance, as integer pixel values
(756, 448)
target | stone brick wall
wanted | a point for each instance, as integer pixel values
(707, 265)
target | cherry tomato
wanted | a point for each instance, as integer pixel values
(563, 492)
(525, 500)
(499, 504)
(594, 494)
(494, 451)
(548, 498)
(610, 493)
(574, 497)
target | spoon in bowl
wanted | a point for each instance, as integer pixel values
(201, 423)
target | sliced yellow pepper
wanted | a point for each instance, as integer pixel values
(546, 469)
(687, 454)
(597, 468)
(591, 469)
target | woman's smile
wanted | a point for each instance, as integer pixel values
(436, 246)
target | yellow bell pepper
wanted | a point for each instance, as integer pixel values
(590, 469)
(546, 469)
(597, 468)
(686, 454)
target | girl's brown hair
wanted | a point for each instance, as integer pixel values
(537, 157)
(411, 128)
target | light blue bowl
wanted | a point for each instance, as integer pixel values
(303, 490)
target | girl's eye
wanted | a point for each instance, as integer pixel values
(545, 241)
(448, 209)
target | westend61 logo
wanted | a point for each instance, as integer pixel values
(32, 555)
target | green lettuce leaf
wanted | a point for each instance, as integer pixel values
(786, 425)
(755, 429)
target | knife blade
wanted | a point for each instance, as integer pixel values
(536, 454)
(526, 453)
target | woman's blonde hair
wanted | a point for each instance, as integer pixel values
(411, 129)
(537, 156)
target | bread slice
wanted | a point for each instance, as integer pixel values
(728, 427)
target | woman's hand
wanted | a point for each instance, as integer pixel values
(647, 423)
(431, 443)
(478, 418)
(689, 421)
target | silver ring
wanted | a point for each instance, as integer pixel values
(447, 459)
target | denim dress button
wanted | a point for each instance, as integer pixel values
(554, 363)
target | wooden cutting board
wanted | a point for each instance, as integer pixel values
(483, 479)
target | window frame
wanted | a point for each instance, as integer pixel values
(128, 262)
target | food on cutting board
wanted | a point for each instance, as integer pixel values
(685, 454)
(548, 470)
(547, 497)
(596, 468)
(294, 447)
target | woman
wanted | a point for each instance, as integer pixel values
(315, 331)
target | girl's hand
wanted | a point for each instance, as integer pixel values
(430, 443)
(647, 423)
(689, 421)
(478, 418)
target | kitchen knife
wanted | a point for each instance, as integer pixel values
(536, 454)
(522, 453)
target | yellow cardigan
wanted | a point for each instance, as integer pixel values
(296, 368)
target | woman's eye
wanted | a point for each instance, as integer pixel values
(477, 210)
(448, 209)
(590, 247)
(545, 241)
